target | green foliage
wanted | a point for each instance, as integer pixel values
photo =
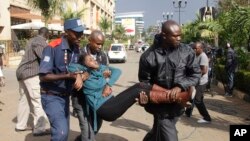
(84, 42)
(242, 81)
(236, 23)
(119, 32)
(242, 58)
(105, 24)
(69, 13)
(48, 7)
(242, 78)
(106, 45)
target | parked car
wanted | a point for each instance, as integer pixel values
(131, 47)
(138, 48)
(144, 47)
(117, 52)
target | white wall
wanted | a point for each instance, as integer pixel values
(5, 20)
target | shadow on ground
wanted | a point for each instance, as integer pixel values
(74, 134)
(130, 125)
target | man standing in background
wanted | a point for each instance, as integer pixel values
(27, 76)
(202, 60)
(230, 67)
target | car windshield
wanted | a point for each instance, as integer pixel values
(116, 48)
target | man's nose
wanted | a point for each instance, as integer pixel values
(99, 46)
(178, 38)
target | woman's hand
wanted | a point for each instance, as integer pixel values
(106, 73)
(107, 91)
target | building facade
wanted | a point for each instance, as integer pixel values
(14, 12)
(127, 18)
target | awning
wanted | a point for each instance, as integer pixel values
(37, 25)
(29, 16)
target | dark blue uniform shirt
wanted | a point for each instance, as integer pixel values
(56, 57)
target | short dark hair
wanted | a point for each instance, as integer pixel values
(82, 57)
(43, 31)
(95, 33)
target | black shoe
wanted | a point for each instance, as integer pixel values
(228, 95)
(188, 112)
(43, 133)
(78, 138)
(148, 136)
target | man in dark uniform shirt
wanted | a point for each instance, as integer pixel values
(56, 82)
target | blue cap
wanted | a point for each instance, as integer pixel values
(73, 24)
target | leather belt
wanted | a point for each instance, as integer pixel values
(46, 92)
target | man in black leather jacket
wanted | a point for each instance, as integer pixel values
(172, 65)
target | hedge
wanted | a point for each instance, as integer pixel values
(242, 78)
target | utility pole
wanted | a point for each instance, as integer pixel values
(179, 5)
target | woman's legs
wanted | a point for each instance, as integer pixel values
(116, 106)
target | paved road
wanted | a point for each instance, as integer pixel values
(134, 124)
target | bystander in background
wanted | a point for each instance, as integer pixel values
(29, 87)
(230, 67)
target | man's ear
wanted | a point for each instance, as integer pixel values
(66, 32)
(163, 35)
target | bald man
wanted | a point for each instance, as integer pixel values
(172, 65)
(202, 60)
(94, 48)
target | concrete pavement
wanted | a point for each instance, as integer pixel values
(135, 123)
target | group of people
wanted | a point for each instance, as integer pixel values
(52, 73)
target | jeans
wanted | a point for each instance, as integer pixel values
(230, 82)
(78, 103)
(57, 110)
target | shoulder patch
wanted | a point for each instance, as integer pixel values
(55, 42)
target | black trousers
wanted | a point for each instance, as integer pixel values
(118, 105)
(164, 129)
(78, 104)
(230, 81)
(199, 103)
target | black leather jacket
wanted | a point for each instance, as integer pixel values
(169, 67)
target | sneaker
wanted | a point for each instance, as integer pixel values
(25, 129)
(228, 95)
(203, 121)
(188, 112)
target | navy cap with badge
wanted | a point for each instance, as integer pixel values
(73, 24)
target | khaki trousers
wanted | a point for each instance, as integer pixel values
(30, 103)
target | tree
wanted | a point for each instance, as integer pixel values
(236, 23)
(69, 13)
(48, 7)
(119, 32)
(105, 24)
